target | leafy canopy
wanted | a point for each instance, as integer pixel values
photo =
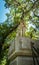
(24, 11)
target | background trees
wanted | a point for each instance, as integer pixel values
(26, 11)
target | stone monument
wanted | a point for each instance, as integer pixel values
(20, 49)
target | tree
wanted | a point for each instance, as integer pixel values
(24, 11)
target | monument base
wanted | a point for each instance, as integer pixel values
(22, 61)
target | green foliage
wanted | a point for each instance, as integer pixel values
(32, 33)
(9, 38)
(24, 10)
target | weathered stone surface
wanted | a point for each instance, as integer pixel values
(22, 61)
(22, 53)
(27, 53)
(20, 43)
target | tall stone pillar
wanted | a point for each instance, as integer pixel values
(20, 50)
(22, 54)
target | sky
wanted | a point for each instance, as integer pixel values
(3, 11)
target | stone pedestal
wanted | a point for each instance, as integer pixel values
(20, 51)
(22, 61)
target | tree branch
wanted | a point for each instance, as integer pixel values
(31, 7)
